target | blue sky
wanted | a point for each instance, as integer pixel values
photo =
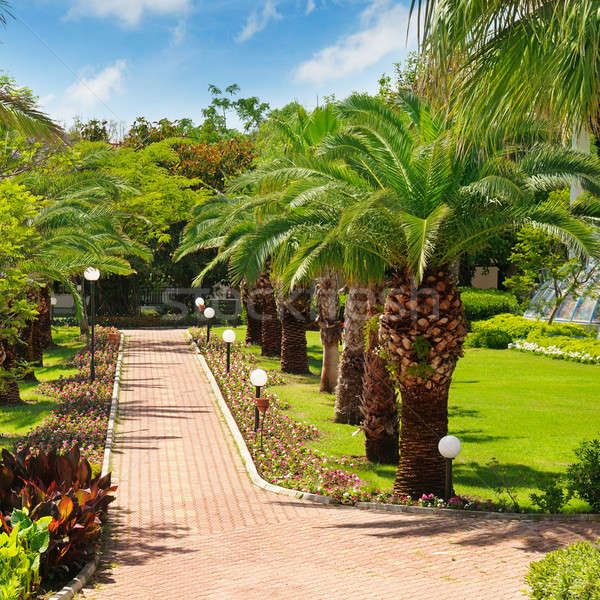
(119, 59)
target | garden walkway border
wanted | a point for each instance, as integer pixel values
(76, 584)
(374, 506)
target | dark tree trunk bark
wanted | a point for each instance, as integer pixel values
(253, 305)
(378, 406)
(295, 315)
(350, 380)
(271, 327)
(9, 388)
(331, 330)
(45, 318)
(422, 333)
(424, 421)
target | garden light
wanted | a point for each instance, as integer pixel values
(449, 447)
(209, 313)
(92, 275)
(199, 302)
(53, 301)
(258, 378)
(229, 338)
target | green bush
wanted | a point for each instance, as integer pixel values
(553, 497)
(518, 328)
(583, 476)
(20, 551)
(490, 338)
(570, 573)
(483, 304)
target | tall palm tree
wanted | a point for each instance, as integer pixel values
(423, 201)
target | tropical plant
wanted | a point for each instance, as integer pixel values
(21, 546)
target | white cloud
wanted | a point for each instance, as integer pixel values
(128, 12)
(310, 6)
(258, 20)
(89, 92)
(383, 31)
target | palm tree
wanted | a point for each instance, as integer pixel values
(511, 59)
(423, 200)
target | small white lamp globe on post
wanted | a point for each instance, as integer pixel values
(229, 338)
(92, 275)
(209, 314)
(199, 302)
(258, 378)
(449, 447)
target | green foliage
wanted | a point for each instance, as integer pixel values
(21, 546)
(483, 304)
(508, 328)
(553, 497)
(571, 572)
(92, 130)
(496, 339)
(420, 348)
(583, 476)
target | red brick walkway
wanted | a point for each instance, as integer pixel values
(189, 524)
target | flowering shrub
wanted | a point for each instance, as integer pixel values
(81, 417)
(583, 351)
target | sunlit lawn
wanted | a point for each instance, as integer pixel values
(17, 420)
(527, 412)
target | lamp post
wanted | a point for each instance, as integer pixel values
(229, 338)
(209, 313)
(449, 447)
(92, 275)
(258, 378)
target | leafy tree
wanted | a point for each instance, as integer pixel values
(17, 207)
(92, 130)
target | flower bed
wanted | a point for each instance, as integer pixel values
(283, 457)
(583, 351)
(81, 417)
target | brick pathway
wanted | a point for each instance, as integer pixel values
(189, 524)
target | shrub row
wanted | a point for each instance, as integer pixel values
(483, 304)
(499, 331)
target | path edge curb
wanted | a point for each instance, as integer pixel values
(81, 579)
(373, 506)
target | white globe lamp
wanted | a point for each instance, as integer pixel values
(449, 447)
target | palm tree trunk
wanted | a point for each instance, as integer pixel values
(331, 330)
(378, 406)
(422, 333)
(295, 315)
(45, 318)
(350, 380)
(252, 303)
(271, 327)
(9, 388)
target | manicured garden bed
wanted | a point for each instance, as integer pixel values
(527, 412)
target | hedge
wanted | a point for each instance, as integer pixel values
(483, 304)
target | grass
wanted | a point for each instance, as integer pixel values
(15, 421)
(527, 412)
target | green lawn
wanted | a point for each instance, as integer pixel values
(17, 420)
(527, 412)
